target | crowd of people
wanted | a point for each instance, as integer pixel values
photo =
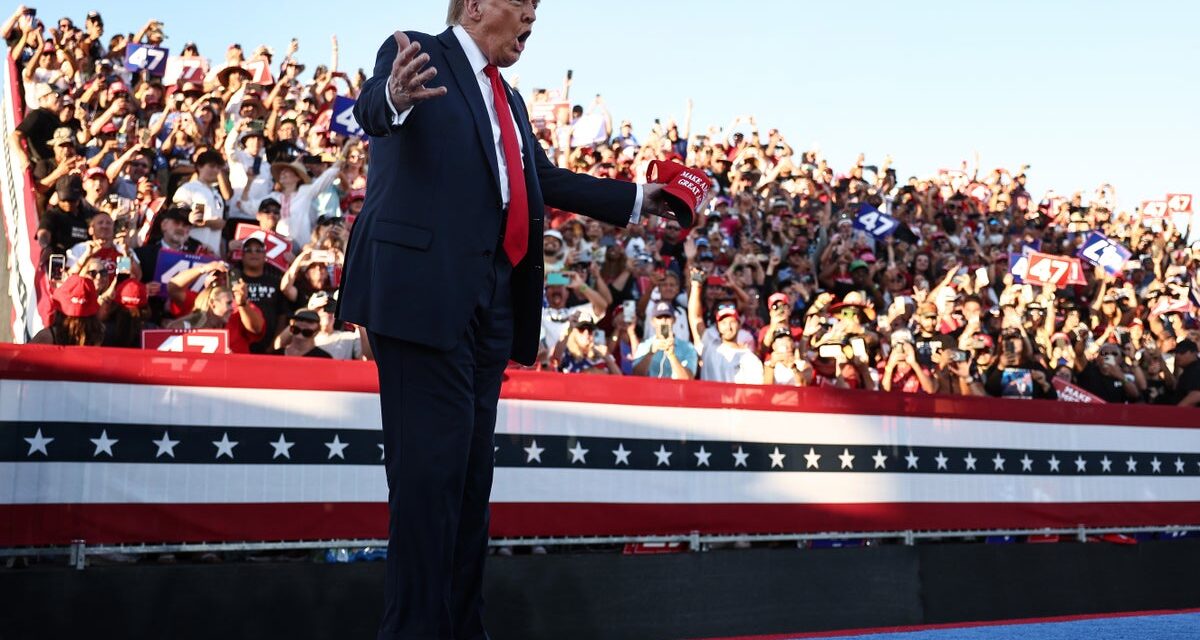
(778, 283)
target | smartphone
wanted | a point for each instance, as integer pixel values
(120, 225)
(257, 164)
(981, 277)
(833, 351)
(235, 276)
(629, 311)
(57, 267)
(124, 265)
(1010, 347)
(256, 125)
(859, 347)
(557, 280)
(960, 356)
(122, 140)
(664, 331)
(570, 74)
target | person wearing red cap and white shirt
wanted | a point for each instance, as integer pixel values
(779, 306)
(76, 316)
(730, 360)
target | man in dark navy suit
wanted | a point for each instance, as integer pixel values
(444, 269)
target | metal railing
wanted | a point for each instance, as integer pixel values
(78, 551)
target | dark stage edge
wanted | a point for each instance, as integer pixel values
(609, 596)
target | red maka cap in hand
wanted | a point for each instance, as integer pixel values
(685, 188)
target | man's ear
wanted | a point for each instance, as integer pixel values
(473, 10)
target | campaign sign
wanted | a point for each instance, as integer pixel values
(343, 121)
(171, 262)
(1068, 392)
(186, 341)
(276, 245)
(180, 70)
(260, 72)
(1179, 202)
(875, 222)
(1154, 209)
(144, 56)
(1103, 252)
(1018, 264)
(1054, 270)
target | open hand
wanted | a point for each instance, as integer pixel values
(406, 85)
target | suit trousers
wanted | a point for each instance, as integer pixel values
(439, 420)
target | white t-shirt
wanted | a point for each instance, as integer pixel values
(342, 345)
(240, 164)
(725, 363)
(712, 338)
(193, 192)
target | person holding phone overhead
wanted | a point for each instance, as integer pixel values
(455, 222)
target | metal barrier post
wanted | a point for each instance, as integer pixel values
(78, 558)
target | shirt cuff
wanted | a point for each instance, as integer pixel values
(397, 118)
(636, 218)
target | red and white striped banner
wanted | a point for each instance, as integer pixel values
(131, 446)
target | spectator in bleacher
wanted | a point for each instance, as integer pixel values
(38, 128)
(263, 288)
(782, 365)
(663, 354)
(65, 223)
(219, 306)
(129, 317)
(578, 351)
(340, 342)
(75, 321)
(207, 193)
(298, 338)
(1187, 372)
(729, 360)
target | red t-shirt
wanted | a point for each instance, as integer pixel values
(241, 338)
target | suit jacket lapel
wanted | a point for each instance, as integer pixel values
(467, 83)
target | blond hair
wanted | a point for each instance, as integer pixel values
(454, 15)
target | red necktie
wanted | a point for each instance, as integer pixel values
(516, 231)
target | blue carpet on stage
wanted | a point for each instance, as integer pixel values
(1153, 627)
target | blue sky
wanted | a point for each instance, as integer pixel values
(1085, 92)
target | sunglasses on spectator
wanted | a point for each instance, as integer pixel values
(307, 333)
(271, 211)
(847, 313)
(253, 250)
(93, 273)
(586, 328)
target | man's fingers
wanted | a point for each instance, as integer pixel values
(419, 81)
(404, 56)
(425, 94)
(414, 66)
(401, 40)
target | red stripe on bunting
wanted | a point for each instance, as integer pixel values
(132, 523)
(131, 366)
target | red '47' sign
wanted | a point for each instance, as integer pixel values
(1059, 271)
(1154, 209)
(1179, 202)
(184, 341)
(276, 246)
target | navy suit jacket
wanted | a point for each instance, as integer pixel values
(421, 250)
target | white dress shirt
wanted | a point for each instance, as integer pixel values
(478, 61)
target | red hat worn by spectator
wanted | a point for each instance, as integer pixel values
(132, 294)
(686, 188)
(76, 297)
(778, 297)
(116, 88)
(726, 312)
(95, 172)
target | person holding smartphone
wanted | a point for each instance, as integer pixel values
(664, 355)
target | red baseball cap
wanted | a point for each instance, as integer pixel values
(76, 297)
(778, 297)
(117, 87)
(95, 172)
(726, 312)
(133, 294)
(686, 188)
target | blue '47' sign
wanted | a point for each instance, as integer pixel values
(875, 222)
(144, 56)
(343, 121)
(1102, 252)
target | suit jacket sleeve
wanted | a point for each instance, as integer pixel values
(372, 110)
